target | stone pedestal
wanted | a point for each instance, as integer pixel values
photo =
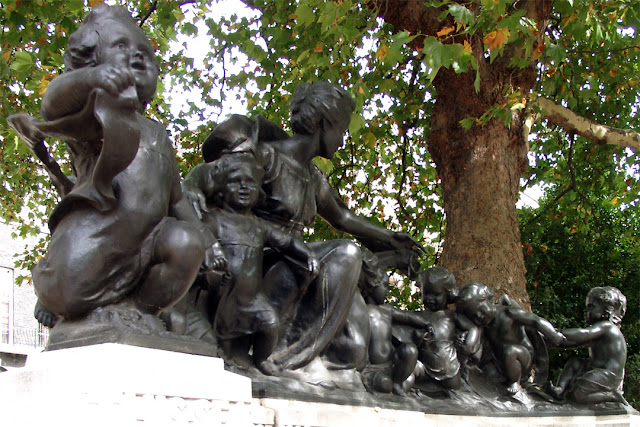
(119, 385)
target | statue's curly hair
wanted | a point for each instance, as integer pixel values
(470, 292)
(613, 300)
(439, 275)
(82, 50)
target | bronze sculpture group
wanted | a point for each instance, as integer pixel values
(129, 240)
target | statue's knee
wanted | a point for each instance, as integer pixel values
(182, 242)
(407, 353)
(350, 254)
(58, 293)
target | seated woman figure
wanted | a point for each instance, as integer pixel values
(312, 310)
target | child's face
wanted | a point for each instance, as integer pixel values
(481, 311)
(127, 47)
(434, 296)
(595, 311)
(242, 190)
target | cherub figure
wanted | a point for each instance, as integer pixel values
(504, 327)
(245, 318)
(392, 362)
(599, 378)
(122, 234)
(436, 351)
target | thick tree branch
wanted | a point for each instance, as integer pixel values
(572, 122)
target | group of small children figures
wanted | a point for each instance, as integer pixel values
(503, 335)
(443, 343)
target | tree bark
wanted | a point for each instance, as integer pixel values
(480, 171)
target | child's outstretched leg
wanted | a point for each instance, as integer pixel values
(178, 252)
(404, 359)
(569, 372)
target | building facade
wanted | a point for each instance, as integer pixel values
(20, 333)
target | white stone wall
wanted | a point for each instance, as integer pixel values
(119, 385)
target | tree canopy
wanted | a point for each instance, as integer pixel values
(555, 82)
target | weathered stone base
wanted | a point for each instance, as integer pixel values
(119, 385)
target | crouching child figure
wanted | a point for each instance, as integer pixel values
(599, 378)
(125, 244)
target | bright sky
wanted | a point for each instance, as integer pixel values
(197, 47)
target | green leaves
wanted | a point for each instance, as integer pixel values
(305, 14)
(22, 62)
(461, 14)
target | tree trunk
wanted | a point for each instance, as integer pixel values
(480, 170)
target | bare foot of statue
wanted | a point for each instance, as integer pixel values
(398, 390)
(267, 368)
(44, 316)
(175, 320)
(514, 388)
(382, 383)
(617, 395)
(555, 392)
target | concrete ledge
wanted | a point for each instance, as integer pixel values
(107, 368)
(120, 385)
(293, 413)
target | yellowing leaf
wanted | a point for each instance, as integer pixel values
(467, 48)
(6, 54)
(495, 39)
(445, 31)
(42, 87)
(381, 52)
(613, 72)
(614, 201)
(95, 2)
(538, 50)
(318, 47)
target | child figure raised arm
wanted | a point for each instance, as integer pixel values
(504, 327)
(599, 378)
(122, 236)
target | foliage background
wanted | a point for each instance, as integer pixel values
(583, 234)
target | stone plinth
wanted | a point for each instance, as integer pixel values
(119, 385)
(295, 413)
